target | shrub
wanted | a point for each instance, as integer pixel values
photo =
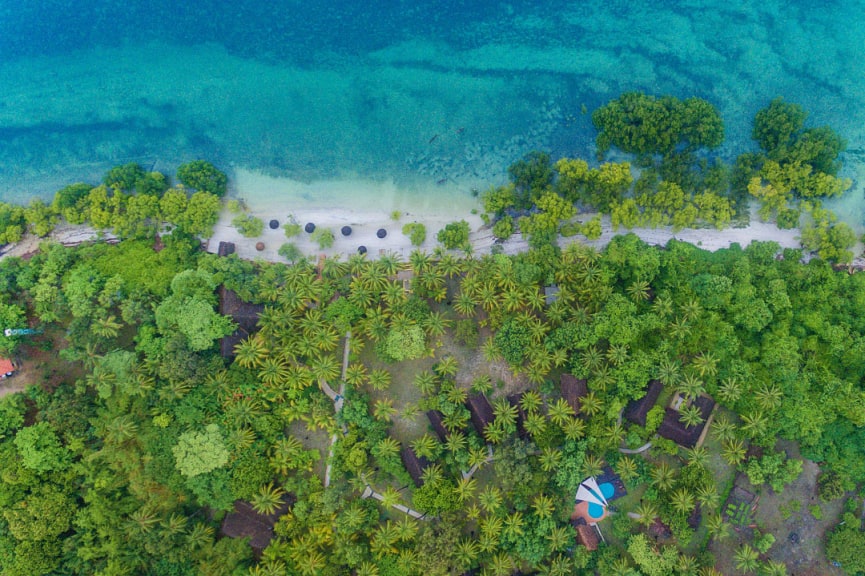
(323, 236)
(248, 225)
(454, 235)
(290, 252)
(504, 228)
(291, 229)
(416, 232)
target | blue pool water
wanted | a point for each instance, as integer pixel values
(595, 510)
(412, 92)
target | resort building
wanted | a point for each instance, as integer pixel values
(414, 464)
(573, 390)
(7, 368)
(673, 429)
(481, 412)
(637, 410)
(243, 313)
(245, 522)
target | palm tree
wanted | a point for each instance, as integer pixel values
(592, 465)
(647, 511)
(107, 327)
(690, 386)
(550, 458)
(530, 401)
(705, 364)
(662, 306)
(389, 264)
(723, 428)
(505, 414)
(490, 499)
(383, 540)
(324, 368)
(419, 261)
(773, 568)
(626, 468)
(614, 434)
(447, 366)
(697, 456)
(679, 329)
(708, 497)
(733, 451)
(591, 359)
(716, 526)
(729, 391)
(501, 564)
(456, 442)
(250, 352)
(355, 374)
(590, 404)
(268, 499)
(535, 424)
(490, 350)
(663, 476)
(465, 305)
(513, 524)
(617, 354)
(543, 506)
(574, 428)
(387, 447)
(687, 564)
(482, 385)
(390, 497)
(466, 488)
(559, 538)
(682, 501)
(466, 553)
(425, 446)
(454, 394)
(425, 381)
(638, 291)
(365, 569)
(690, 416)
(669, 372)
(379, 379)
(768, 396)
(754, 424)
(435, 324)
(478, 456)
(747, 559)
(560, 412)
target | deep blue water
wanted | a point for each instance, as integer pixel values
(416, 92)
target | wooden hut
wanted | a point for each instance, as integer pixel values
(481, 412)
(243, 313)
(573, 390)
(637, 410)
(436, 420)
(414, 464)
(587, 535)
(226, 249)
(673, 429)
(245, 522)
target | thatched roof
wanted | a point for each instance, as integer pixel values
(244, 313)
(225, 249)
(481, 412)
(436, 419)
(414, 464)
(673, 429)
(573, 390)
(514, 400)
(245, 522)
(636, 410)
(587, 536)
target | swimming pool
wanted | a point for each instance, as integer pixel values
(596, 510)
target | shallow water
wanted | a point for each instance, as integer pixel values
(423, 95)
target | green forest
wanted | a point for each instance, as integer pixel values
(187, 413)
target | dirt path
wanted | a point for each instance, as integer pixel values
(338, 401)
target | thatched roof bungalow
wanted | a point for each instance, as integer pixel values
(436, 420)
(673, 429)
(587, 535)
(243, 313)
(572, 390)
(481, 412)
(414, 464)
(226, 249)
(244, 522)
(637, 410)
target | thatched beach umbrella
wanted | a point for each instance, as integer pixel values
(361, 249)
(274, 224)
(346, 230)
(381, 233)
(310, 227)
(259, 246)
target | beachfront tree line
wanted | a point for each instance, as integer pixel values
(678, 183)
(141, 437)
(130, 203)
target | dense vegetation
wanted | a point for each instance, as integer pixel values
(136, 437)
(129, 459)
(675, 181)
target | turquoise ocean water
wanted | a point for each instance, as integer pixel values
(422, 94)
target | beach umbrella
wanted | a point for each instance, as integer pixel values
(346, 230)
(310, 227)
(361, 249)
(274, 224)
(381, 233)
(259, 246)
